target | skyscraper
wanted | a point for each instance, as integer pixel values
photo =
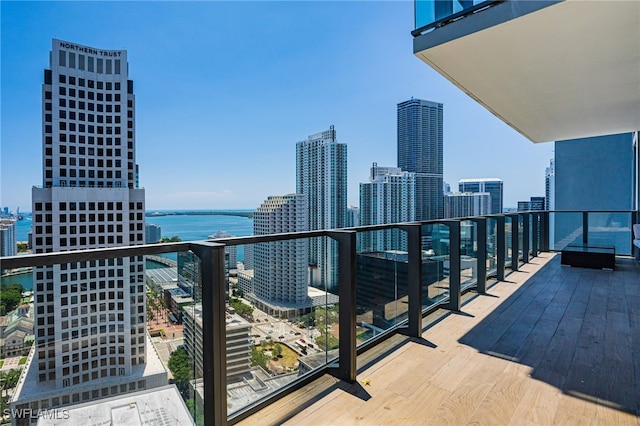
(493, 186)
(550, 185)
(8, 241)
(321, 175)
(90, 316)
(280, 267)
(388, 197)
(420, 150)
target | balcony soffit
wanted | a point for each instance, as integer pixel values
(566, 71)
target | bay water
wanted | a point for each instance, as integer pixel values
(188, 227)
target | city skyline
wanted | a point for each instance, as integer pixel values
(276, 82)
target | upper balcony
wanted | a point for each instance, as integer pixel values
(552, 70)
(470, 320)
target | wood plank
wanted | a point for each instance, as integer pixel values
(538, 405)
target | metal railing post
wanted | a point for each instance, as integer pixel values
(526, 217)
(214, 333)
(346, 369)
(454, 265)
(481, 253)
(546, 231)
(535, 227)
(414, 237)
(515, 246)
(501, 247)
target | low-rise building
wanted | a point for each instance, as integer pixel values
(237, 342)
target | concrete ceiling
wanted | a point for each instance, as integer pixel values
(566, 71)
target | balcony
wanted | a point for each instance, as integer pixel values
(552, 70)
(472, 320)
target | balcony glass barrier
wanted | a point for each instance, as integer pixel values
(468, 254)
(507, 240)
(382, 268)
(521, 219)
(565, 228)
(610, 229)
(278, 328)
(103, 328)
(492, 249)
(435, 264)
(106, 326)
(429, 13)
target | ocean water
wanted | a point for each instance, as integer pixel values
(187, 227)
(197, 227)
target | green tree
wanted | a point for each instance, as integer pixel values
(23, 247)
(180, 365)
(11, 297)
(258, 357)
(277, 350)
(174, 239)
(328, 341)
(241, 308)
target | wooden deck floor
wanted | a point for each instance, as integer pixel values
(552, 345)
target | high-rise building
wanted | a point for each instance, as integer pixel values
(467, 204)
(280, 268)
(91, 339)
(493, 186)
(388, 197)
(8, 240)
(537, 203)
(321, 175)
(420, 151)
(353, 216)
(230, 252)
(550, 185)
(152, 233)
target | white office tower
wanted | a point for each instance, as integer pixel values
(465, 204)
(321, 175)
(90, 337)
(280, 267)
(388, 197)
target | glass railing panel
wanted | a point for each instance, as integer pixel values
(175, 283)
(565, 229)
(508, 225)
(429, 11)
(468, 254)
(279, 327)
(521, 219)
(381, 281)
(492, 252)
(611, 229)
(435, 264)
(101, 329)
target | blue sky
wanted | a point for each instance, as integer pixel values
(224, 90)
